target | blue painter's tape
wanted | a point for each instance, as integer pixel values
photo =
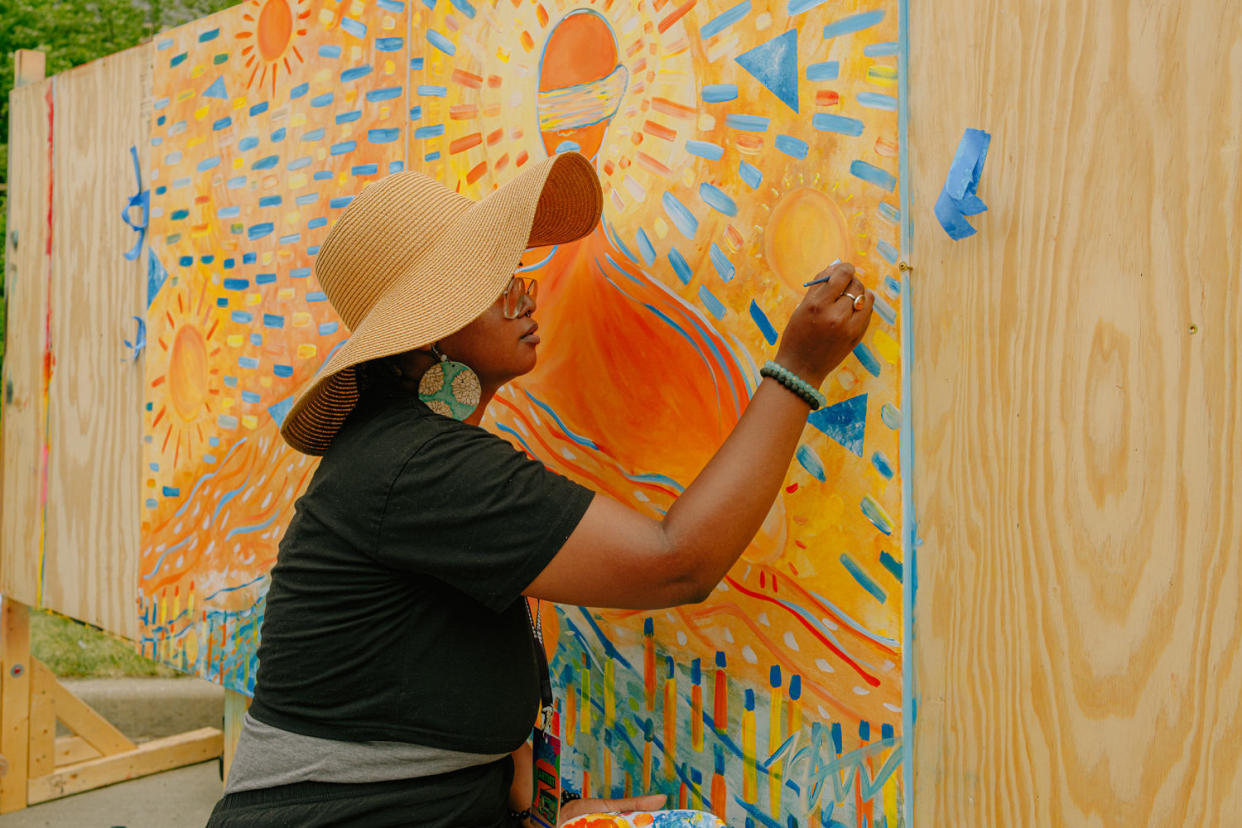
(826, 71)
(762, 322)
(717, 199)
(704, 149)
(713, 305)
(873, 175)
(959, 197)
(853, 23)
(680, 266)
(719, 92)
(724, 20)
(864, 580)
(826, 122)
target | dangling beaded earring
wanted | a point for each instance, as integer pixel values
(450, 388)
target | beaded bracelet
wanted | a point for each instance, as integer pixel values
(794, 383)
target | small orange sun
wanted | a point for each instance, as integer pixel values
(270, 43)
(186, 394)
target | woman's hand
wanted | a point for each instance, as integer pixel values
(581, 807)
(827, 325)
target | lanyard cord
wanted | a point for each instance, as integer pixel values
(541, 656)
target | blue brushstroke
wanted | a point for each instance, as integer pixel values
(853, 23)
(680, 215)
(825, 122)
(874, 100)
(791, 146)
(763, 323)
(719, 92)
(826, 71)
(258, 527)
(873, 175)
(711, 302)
(717, 199)
(724, 20)
(748, 123)
(845, 422)
(864, 580)
(570, 433)
(809, 460)
(704, 149)
(724, 267)
(891, 564)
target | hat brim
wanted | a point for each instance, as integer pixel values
(556, 201)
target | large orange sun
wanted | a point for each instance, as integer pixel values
(189, 397)
(270, 43)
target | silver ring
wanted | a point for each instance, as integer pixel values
(856, 299)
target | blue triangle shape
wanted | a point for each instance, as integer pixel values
(775, 65)
(217, 90)
(845, 422)
(156, 276)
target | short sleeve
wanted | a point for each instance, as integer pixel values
(470, 510)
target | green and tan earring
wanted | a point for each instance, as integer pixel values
(450, 388)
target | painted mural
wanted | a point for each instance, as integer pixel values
(742, 147)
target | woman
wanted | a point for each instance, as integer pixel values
(398, 679)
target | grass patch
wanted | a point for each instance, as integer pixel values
(71, 649)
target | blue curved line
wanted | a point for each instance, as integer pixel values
(225, 499)
(580, 440)
(656, 478)
(698, 326)
(159, 562)
(207, 477)
(242, 530)
(852, 624)
(235, 613)
(537, 265)
(518, 437)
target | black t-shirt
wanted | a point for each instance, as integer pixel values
(394, 609)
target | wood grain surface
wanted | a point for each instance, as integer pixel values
(91, 569)
(21, 388)
(1078, 440)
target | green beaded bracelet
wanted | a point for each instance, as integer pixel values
(809, 394)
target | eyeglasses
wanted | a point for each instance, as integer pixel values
(518, 289)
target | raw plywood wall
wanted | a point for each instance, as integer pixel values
(91, 555)
(76, 551)
(1077, 429)
(27, 264)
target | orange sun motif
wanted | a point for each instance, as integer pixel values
(191, 382)
(276, 23)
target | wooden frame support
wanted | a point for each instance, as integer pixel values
(35, 766)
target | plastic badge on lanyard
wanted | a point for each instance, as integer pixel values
(546, 747)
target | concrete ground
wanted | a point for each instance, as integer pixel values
(142, 709)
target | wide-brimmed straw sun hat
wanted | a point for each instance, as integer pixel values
(410, 262)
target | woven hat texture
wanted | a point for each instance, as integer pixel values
(410, 262)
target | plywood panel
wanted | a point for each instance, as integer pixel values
(1077, 427)
(26, 286)
(92, 509)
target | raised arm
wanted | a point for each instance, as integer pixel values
(619, 558)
